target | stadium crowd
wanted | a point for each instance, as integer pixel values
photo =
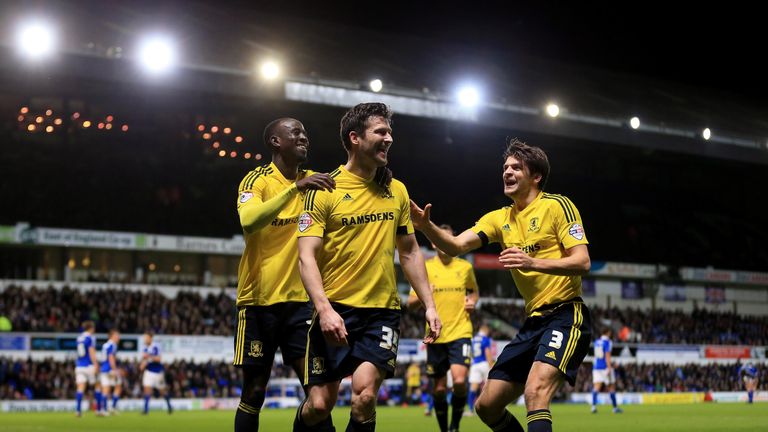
(664, 377)
(52, 310)
(53, 379)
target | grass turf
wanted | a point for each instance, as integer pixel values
(697, 417)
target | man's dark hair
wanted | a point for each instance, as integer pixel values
(356, 119)
(532, 157)
(271, 129)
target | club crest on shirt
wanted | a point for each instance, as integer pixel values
(576, 231)
(245, 196)
(533, 225)
(305, 221)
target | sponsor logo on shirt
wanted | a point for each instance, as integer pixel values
(576, 231)
(305, 221)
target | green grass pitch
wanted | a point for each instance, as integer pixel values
(698, 417)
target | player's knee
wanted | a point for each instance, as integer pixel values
(485, 411)
(365, 400)
(460, 386)
(319, 406)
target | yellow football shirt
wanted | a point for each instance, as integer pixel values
(544, 229)
(450, 284)
(358, 222)
(269, 271)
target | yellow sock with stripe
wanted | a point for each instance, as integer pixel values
(539, 421)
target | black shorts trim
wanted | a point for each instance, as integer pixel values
(373, 335)
(261, 330)
(441, 356)
(560, 338)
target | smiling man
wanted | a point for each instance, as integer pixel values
(545, 248)
(347, 241)
(273, 308)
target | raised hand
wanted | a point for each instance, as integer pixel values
(420, 217)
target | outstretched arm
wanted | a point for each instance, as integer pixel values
(450, 244)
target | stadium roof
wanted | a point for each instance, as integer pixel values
(348, 47)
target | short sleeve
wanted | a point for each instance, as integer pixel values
(315, 213)
(568, 225)
(251, 190)
(487, 227)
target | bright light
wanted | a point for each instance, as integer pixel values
(238, 139)
(157, 54)
(109, 119)
(39, 119)
(214, 129)
(258, 156)
(100, 126)
(125, 128)
(233, 154)
(469, 96)
(376, 85)
(553, 110)
(108, 126)
(24, 110)
(222, 153)
(49, 129)
(31, 128)
(706, 133)
(227, 130)
(75, 116)
(270, 70)
(49, 112)
(20, 118)
(201, 127)
(247, 155)
(634, 122)
(216, 144)
(86, 124)
(35, 40)
(57, 122)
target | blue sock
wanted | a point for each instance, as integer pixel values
(471, 400)
(750, 394)
(168, 402)
(99, 400)
(613, 399)
(115, 399)
(431, 404)
(79, 399)
(594, 398)
(146, 404)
